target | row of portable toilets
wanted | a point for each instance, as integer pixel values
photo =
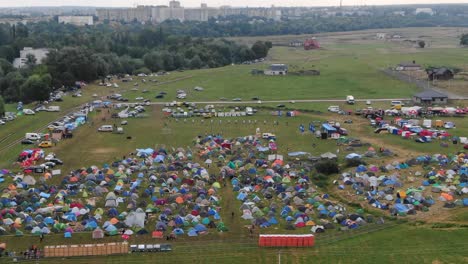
(286, 240)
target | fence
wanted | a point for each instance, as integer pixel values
(86, 250)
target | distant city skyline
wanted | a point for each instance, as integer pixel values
(217, 3)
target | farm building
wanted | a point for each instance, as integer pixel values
(311, 44)
(430, 97)
(296, 43)
(440, 74)
(277, 69)
(408, 66)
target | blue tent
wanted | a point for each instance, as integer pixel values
(361, 168)
(179, 231)
(200, 228)
(192, 232)
(241, 196)
(465, 201)
(401, 208)
(273, 221)
(328, 128)
(159, 159)
(49, 220)
(353, 156)
(110, 228)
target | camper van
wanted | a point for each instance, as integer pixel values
(53, 108)
(350, 99)
(32, 136)
(106, 128)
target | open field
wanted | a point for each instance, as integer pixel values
(349, 64)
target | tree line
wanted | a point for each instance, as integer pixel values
(90, 53)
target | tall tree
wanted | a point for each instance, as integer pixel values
(2, 106)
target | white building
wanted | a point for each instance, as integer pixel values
(39, 54)
(381, 35)
(424, 10)
(277, 69)
(76, 20)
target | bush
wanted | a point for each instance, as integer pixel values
(320, 180)
(354, 162)
(327, 167)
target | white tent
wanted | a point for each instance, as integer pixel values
(111, 200)
(136, 218)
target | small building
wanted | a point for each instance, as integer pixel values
(429, 97)
(381, 35)
(76, 20)
(440, 74)
(277, 69)
(296, 43)
(311, 44)
(39, 55)
(424, 10)
(408, 66)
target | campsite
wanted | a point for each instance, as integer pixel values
(209, 184)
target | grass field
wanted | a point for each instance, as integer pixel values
(349, 64)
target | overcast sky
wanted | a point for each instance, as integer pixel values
(191, 3)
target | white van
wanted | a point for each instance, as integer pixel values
(397, 103)
(32, 136)
(106, 128)
(249, 111)
(334, 108)
(53, 108)
(350, 99)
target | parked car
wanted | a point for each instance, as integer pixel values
(48, 165)
(106, 128)
(28, 112)
(27, 142)
(45, 144)
(124, 122)
(56, 161)
(237, 99)
(334, 108)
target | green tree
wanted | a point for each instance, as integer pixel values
(154, 61)
(421, 44)
(260, 49)
(2, 107)
(196, 62)
(464, 40)
(30, 61)
(36, 88)
(10, 86)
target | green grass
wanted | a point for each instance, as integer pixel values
(346, 68)
(394, 245)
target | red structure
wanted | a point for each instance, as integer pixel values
(310, 44)
(286, 241)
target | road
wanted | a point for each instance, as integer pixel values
(289, 101)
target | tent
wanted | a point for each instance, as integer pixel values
(111, 200)
(328, 155)
(98, 233)
(136, 219)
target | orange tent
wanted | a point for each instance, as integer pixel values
(447, 196)
(47, 175)
(114, 221)
(73, 179)
(278, 162)
(179, 200)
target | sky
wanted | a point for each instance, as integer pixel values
(215, 3)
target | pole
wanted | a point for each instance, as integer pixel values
(279, 256)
